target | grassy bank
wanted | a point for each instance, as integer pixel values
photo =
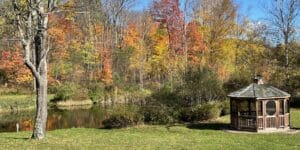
(201, 136)
(10, 103)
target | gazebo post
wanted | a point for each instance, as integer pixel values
(256, 109)
(264, 114)
(238, 114)
(288, 102)
(277, 113)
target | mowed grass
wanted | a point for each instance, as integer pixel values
(209, 136)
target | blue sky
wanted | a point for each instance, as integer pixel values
(252, 8)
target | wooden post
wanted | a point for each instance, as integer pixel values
(256, 109)
(238, 114)
(288, 111)
(264, 113)
(249, 107)
(231, 114)
(277, 103)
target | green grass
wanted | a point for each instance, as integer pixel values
(19, 102)
(156, 137)
(295, 117)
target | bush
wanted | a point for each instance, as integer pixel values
(117, 121)
(165, 96)
(200, 112)
(201, 85)
(158, 114)
(225, 108)
(123, 116)
(96, 92)
(66, 91)
(208, 111)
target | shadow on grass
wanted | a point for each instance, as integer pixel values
(209, 126)
(295, 128)
(17, 138)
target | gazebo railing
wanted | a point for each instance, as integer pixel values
(260, 122)
(247, 122)
(281, 121)
(271, 121)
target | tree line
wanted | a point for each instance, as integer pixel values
(200, 50)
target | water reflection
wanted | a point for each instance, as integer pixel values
(57, 119)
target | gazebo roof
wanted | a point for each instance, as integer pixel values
(259, 91)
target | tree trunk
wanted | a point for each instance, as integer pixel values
(40, 124)
(39, 131)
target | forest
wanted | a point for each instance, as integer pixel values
(172, 54)
(106, 49)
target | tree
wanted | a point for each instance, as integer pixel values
(32, 24)
(195, 44)
(217, 19)
(283, 15)
(168, 12)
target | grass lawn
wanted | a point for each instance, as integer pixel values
(156, 137)
(18, 102)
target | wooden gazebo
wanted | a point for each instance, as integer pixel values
(259, 107)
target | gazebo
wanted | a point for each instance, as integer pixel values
(260, 107)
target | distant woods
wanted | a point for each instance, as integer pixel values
(197, 50)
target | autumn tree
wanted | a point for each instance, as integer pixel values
(195, 44)
(217, 20)
(168, 13)
(11, 63)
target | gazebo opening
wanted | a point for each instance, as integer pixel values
(259, 107)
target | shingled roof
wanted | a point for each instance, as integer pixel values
(259, 91)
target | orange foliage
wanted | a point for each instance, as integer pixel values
(195, 42)
(132, 36)
(11, 62)
(107, 72)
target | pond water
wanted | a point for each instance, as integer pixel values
(57, 119)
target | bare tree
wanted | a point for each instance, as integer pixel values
(283, 15)
(32, 24)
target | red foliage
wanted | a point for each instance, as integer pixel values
(168, 12)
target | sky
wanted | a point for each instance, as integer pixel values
(254, 9)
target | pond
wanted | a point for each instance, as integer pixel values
(57, 119)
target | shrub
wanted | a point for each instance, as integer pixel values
(200, 112)
(123, 116)
(165, 96)
(158, 114)
(96, 92)
(186, 115)
(117, 121)
(65, 92)
(225, 108)
(208, 111)
(201, 85)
